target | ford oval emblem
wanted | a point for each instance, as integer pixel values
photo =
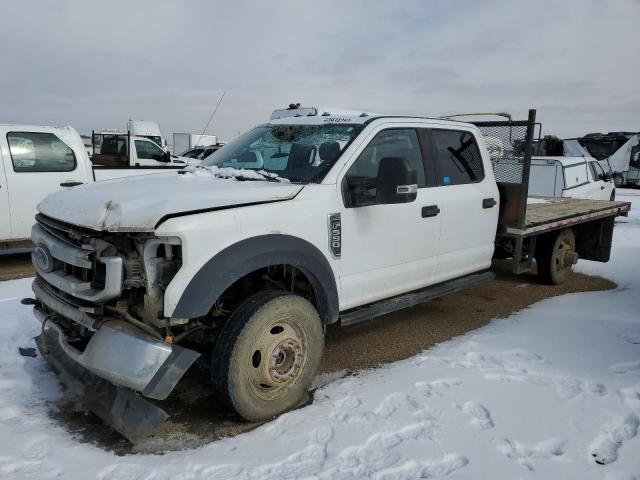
(44, 259)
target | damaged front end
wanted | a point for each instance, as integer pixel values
(99, 297)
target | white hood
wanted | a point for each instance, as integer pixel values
(139, 203)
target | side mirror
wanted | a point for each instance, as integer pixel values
(607, 177)
(165, 158)
(397, 181)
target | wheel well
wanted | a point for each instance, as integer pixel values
(286, 277)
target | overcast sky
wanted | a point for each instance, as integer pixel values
(96, 64)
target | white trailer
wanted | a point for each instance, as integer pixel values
(186, 141)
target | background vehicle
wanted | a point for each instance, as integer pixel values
(620, 150)
(577, 177)
(188, 141)
(200, 153)
(38, 160)
(330, 218)
(146, 129)
(125, 150)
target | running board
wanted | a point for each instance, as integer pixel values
(407, 300)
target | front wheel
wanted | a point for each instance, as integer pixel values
(555, 255)
(267, 354)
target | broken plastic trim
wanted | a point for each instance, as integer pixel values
(123, 410)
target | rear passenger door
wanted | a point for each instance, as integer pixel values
(467, 197)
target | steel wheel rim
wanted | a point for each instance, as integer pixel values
(560, 260)
(277, 358)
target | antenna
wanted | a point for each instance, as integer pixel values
(210, 118)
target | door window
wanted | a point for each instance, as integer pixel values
(457, 157)
(362, 177)
(598, 172)
(149, 151)
(39, 152)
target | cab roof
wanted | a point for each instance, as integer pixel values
(362, 118)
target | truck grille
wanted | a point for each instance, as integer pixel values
(70, 234)
(67, 265)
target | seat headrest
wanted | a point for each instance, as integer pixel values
(299, 156)
(329, 151)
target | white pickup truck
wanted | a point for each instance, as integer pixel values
(38, 160)
(576, 177)
(331, 219)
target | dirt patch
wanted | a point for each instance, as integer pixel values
(407, 332)
(15, 266)
(196, 418)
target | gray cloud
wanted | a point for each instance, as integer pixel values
(96, 64)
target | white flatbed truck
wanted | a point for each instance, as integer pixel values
(342, 218)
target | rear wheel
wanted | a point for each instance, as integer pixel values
(268, 354)
(555, 255)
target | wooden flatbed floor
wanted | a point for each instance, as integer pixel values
(550, 213)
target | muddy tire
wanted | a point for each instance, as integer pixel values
(555, 255)
(267, 354)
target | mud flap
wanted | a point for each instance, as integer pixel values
(125, 411)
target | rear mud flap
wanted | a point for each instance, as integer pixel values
(125, 411)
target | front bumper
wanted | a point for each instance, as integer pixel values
(123, 355)
(117, 361)
(125, 411)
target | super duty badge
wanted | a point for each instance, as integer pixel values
(335, 234)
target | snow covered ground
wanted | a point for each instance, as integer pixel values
(552, 392)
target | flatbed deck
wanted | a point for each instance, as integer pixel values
(550, 213)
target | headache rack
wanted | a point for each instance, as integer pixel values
(510, 146)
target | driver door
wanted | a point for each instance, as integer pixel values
(149, 154)
(387, 249)
(36, 164)
(602, 187)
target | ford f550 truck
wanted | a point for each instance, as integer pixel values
(299, 223)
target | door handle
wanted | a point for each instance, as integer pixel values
(70, 184)
(430, 211)
(601, 188)
(489, 202)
